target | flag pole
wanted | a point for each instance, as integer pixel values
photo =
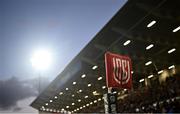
(109, 89)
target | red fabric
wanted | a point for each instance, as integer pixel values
(118, 71)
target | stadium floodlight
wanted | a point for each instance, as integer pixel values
(79, 100)
(41, 59)
(171, 50)
(150, 76)
(55, 97)
(60, 93)
(151, 24)
(103, 87)
(127, 42)
(89, 85)
(99, 99)
(141, 80)
(50, 110)
(148, 63)
(172, 66)
(94, 67)
(94, 92)
(100, 78)
(176, 29)
(161, 71)
(149, 47)
(95, 101)
(83, 76)
(80, 91)
(74, 83)
(86, 97)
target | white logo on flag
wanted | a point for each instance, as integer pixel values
(121, 70)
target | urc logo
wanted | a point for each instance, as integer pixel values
(121, 70)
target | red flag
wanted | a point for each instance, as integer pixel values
(118, 71)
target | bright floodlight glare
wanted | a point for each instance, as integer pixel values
(41, 59)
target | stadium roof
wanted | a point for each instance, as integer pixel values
(151, 28)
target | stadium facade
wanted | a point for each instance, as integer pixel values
(145, 30)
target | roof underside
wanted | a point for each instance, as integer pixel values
(130, 23)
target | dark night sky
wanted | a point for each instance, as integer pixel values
(62, 26)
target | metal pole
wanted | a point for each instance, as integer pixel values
(110, 101)
(110, 90)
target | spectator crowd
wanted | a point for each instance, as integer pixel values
(156, 98)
